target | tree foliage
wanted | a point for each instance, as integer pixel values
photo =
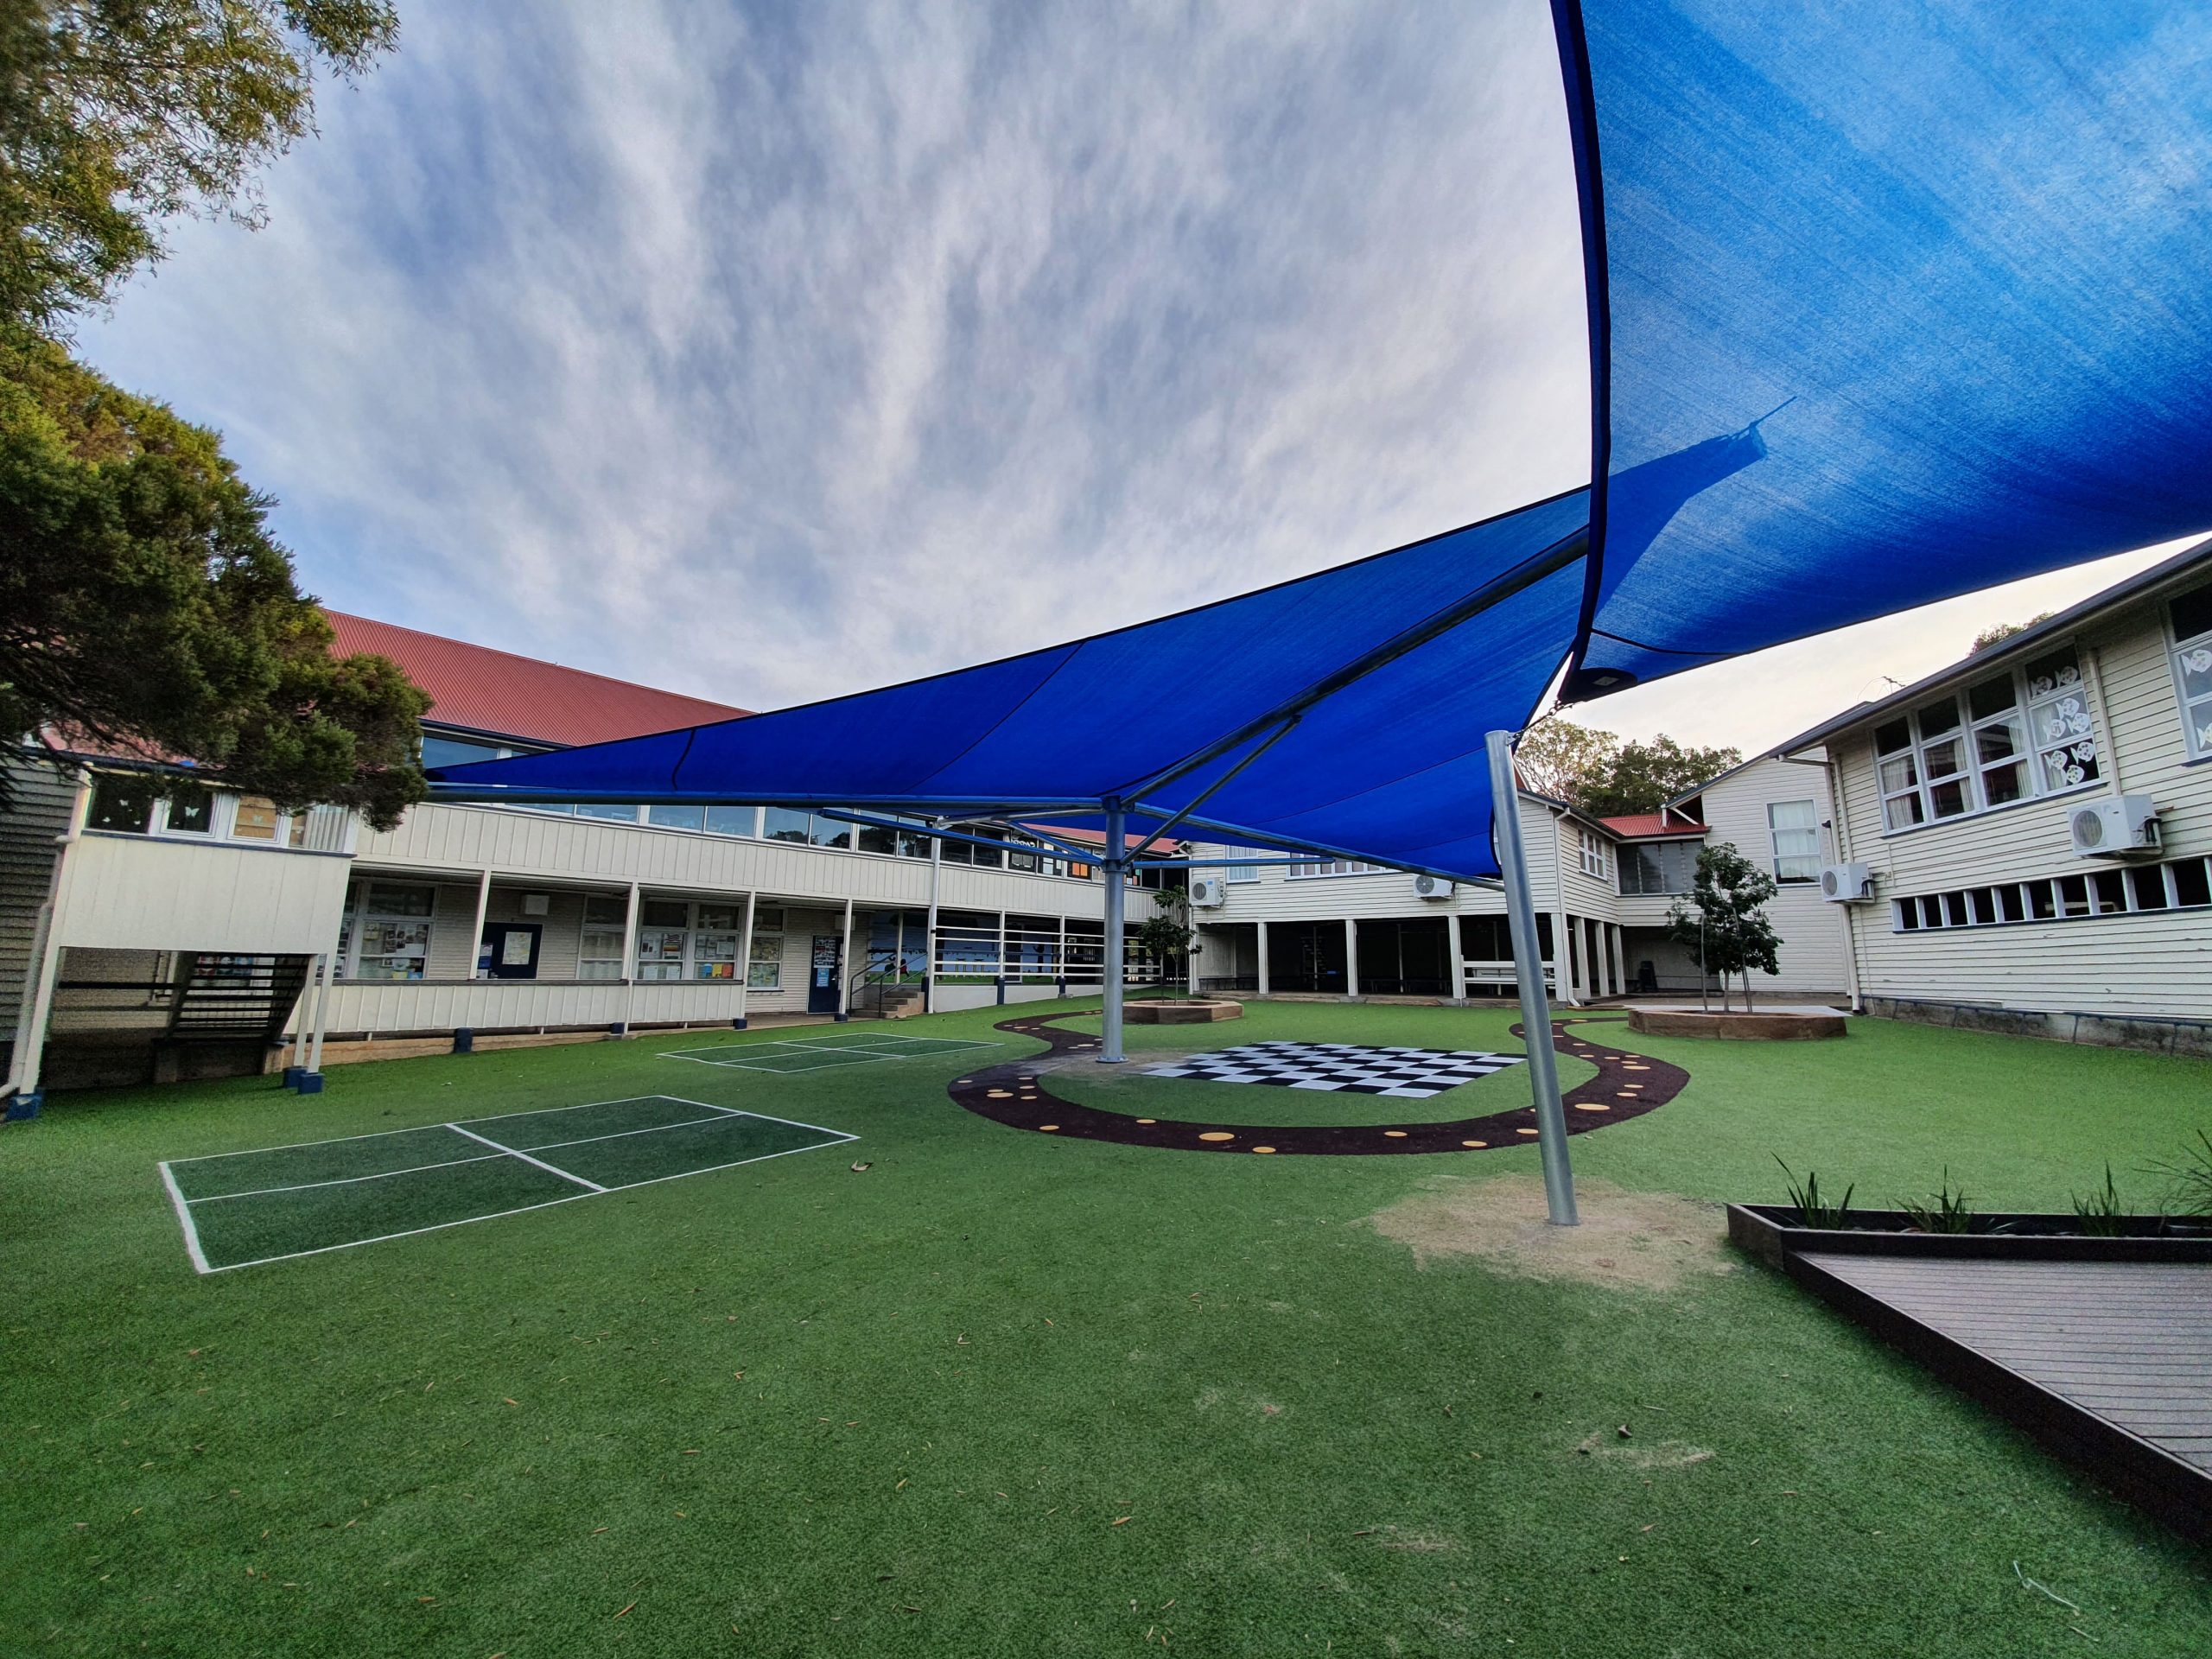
(1165, 935)
(144, 607)
(1998, 632)
(1601, 774)
(1725, 927)
(118, 114)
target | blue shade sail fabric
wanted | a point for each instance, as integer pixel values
(1958, 256)
(1389, 768)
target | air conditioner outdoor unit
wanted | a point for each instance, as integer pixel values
(2116, 828)
(1434, 886)
(1206, 892)
(1846, 884)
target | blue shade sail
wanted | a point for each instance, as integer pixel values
(1388, 766)
(1940, 274)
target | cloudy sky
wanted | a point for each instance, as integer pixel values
(767, 352)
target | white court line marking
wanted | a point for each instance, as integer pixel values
(453, 1163)
(421, 1128)
(184, 1219)
(840, 1137)
(346, 1180)
(866, 1055)
(551, 1169)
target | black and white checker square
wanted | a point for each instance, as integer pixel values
(1348, 1068)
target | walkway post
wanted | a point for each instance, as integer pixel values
(1528, 970)
(1117, 842)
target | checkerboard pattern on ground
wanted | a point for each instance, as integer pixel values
(244, 1209)
(1348, 1068)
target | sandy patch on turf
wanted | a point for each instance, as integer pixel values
(1641, 1241)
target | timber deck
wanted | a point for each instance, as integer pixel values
(2107, 1362)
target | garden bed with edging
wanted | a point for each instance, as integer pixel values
(2098, 1345)
(1783, 1025)
(1180, 1011)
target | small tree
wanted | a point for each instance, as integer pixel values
(1166, 935)
(1725, 929)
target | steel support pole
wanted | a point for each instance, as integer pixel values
(1529, 971)
(1114, 865)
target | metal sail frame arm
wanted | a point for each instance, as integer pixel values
(1212, 789)
(1530, 571)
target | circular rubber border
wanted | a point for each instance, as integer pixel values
(1016, 1095)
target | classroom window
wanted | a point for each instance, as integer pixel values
(121, 804)
(743, 821)
(764, 962)
(2179, 884)
(599, 945)
(1334, 867)
(392, 923)
(1590, 853)
(1795, 829)
(2190, 617)
(1658, 866)
(256, 819)
(2006, 738)
(456, 752)
(611, 812)
(677, 817)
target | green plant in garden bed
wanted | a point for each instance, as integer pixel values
(2191, 1175)
(1946, 1212)
(1811, 1211)
(2101, 1214)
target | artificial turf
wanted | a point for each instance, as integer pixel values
(792, 1409)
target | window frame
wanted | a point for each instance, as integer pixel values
(1776, 831)
(2196, 746)
(1971, 772)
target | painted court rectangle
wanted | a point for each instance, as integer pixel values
(242, 1209)
(785, 1055)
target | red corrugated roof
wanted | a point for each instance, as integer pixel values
(1637, 824)
(480, 689)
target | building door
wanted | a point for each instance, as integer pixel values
(828, 960)
(508, 951)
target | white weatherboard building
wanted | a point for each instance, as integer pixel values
(2022, 843)
(144, 938)
(2035, 825)
(1601, 886)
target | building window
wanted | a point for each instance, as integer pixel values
(663, 929)
(764, 965)
(121, 802)
(713, 942)
(391, 923)
(1334, 867)
(2058, 717)
(599, 946)
(677, 817)
(190, 811)
(2183, 884)
(452, 752)
(256, 820)
(1240, 872)
(1658, 867)
(611, 812)
(1591, 855)
(2005, 739)
(2191, 616)
(1795, 826)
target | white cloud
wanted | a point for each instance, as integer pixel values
(769, 355)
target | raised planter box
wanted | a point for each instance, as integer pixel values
(1162, 1011)
(2098, 1347)
(1767, 1231)
(1780, 1027)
